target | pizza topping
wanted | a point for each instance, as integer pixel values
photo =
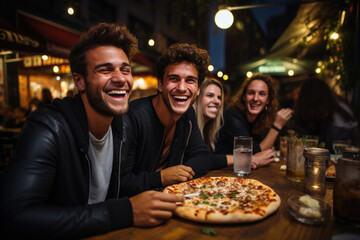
(220, 184)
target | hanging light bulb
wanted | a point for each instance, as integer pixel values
(224, 18)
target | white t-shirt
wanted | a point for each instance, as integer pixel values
(101, 152)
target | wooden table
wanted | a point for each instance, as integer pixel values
(280, 225)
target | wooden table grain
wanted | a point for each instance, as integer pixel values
(280, 225)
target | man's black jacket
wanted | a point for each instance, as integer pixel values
(188, 148)
(45, 189)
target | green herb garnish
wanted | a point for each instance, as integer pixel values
(233, 195)
(208, 231)
(204, 196)
(219, 195)
(202, 187)
(248, 191)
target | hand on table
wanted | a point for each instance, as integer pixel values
(282, 117)
(151, 208)
(176, 174)
(262, 158)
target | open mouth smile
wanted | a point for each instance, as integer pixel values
(180, 99)
(117, 93)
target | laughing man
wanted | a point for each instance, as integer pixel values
(168, 147)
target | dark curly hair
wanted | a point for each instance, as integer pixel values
(180, 52)
(267, 116)
(102, 34)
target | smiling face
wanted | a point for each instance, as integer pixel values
(179, 87)
(211, 102)
(256, 98)
(108, 82)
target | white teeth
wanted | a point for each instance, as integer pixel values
(117, 92)
(180, 97)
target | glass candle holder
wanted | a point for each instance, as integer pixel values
(315, 169)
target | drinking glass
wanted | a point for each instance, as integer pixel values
(295, 169)
(312, 141)
(243, 147)
(338, 147)
(283, 147)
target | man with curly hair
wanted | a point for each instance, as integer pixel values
(167, 144)
(64, 181)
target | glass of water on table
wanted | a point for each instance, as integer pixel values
(243, 147)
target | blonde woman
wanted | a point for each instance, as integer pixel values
(209, 110)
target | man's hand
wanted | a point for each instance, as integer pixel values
(151, 208)
(176, 174)
(282, 117)
(262, 158)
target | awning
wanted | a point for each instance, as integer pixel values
(143, 64)
(59, 39)
(299, 47)
(280, 66)
(14, 39)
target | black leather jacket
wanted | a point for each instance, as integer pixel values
(45, 189)
(235, 124)
(188, 148)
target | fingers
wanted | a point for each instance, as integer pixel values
(151, 208)
(176, 174)
(285, 113)
(168, 197)
(262, 158)
(283, 116)
(253, 165)
(187, 169)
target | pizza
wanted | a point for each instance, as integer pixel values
(225, 200)
(331, 170)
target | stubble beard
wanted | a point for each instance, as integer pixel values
(100, 104)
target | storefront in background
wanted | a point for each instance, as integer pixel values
(33, 56)
(38, 72)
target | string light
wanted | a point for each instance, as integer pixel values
(151, 42)
(70, 11)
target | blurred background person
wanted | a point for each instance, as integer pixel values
(46, 97)
(6, 115)
(253, 111)
(209, 107)
(32, 105)
(70, 93)
(318, 112)
(18, 118)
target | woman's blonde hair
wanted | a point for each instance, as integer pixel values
(209, 131)
(267, 116)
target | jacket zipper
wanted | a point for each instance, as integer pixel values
(118, 190)
(187, 142)
(89, 164)
(157, 157)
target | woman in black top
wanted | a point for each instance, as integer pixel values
(252, 112)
